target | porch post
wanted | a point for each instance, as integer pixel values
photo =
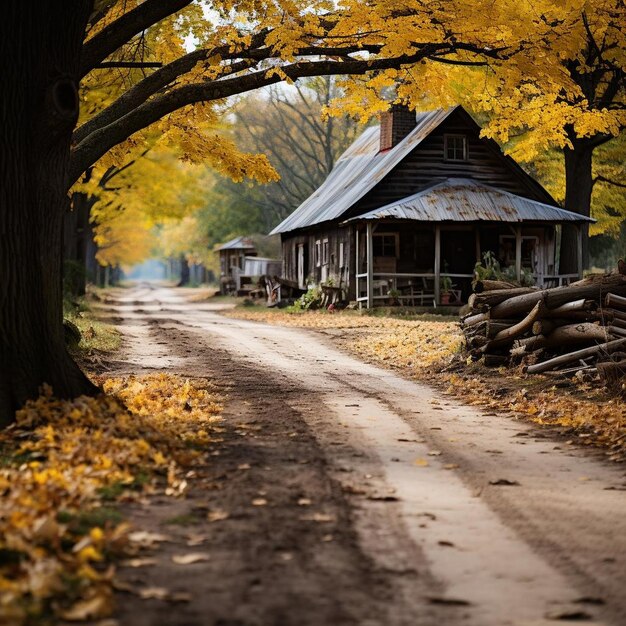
(518, 253)
(357, 269)
(437, 262)
(370, 266)
(477, 238)
(579, 249)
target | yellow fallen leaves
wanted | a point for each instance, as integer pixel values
(61, 460)
(414, 344)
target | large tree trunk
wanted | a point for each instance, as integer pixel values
(41, 45)
(578, 189)
(77, 242)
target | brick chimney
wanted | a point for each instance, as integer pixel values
(395, 125)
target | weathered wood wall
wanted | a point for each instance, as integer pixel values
(427, 164)
(322, 272)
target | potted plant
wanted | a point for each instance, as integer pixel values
(394, 297)
(445, 285)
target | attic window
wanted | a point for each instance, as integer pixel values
(455, 147)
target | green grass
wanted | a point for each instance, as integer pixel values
(81, 523)
(95, 334)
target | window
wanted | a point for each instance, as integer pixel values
(318, 253)
(325, 252)
(455, 147)
(385, 244)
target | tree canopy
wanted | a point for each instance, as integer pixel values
(169, 68)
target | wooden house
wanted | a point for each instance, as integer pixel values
(410, 208)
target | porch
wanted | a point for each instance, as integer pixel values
(421, 264)
(437, 235)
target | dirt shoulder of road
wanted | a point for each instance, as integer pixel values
(581, 412)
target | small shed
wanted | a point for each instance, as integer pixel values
(241, 267)
(232, 256)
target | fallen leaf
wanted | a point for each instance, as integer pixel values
(318, 517)
(304, 502)
(259, 502)
(450, 466)
(504, 482)
(192, 557)
(154, 593)
(434, 453)
(146, 538)
(196, 540)
(98, 606)
(138, 562)
(217, 516)
(420, 462)
(448, 601)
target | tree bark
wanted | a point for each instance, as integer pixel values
(41, 43)
(578, 190)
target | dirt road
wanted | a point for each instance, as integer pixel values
(382, 502)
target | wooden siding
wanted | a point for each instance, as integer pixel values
(324, 272)
(427, 164)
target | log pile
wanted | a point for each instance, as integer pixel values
(564, 329)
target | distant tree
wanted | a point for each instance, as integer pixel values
(287, 125)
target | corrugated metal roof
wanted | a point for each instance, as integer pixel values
(358, 169)
(238, 243)
(467, 200)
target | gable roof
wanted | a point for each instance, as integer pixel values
(357, 171)
(238, 243)
(468, 200)
(362, 166)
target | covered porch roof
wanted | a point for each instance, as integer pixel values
(467, 200)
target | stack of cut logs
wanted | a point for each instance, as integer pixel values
(578, 327)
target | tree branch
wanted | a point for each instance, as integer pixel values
(157, 81)
(100, 141)
(128, 64)
(110, 38)
(608, 181)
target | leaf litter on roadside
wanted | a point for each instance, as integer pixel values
(64, 465)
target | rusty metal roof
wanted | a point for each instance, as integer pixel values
(467, 200)
(238, 243)
(358, 169)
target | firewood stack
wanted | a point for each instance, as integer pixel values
(565, 329)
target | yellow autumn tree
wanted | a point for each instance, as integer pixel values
(238, 46)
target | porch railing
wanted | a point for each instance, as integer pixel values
(424, 290)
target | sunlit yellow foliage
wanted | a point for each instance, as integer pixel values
(61, 458)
